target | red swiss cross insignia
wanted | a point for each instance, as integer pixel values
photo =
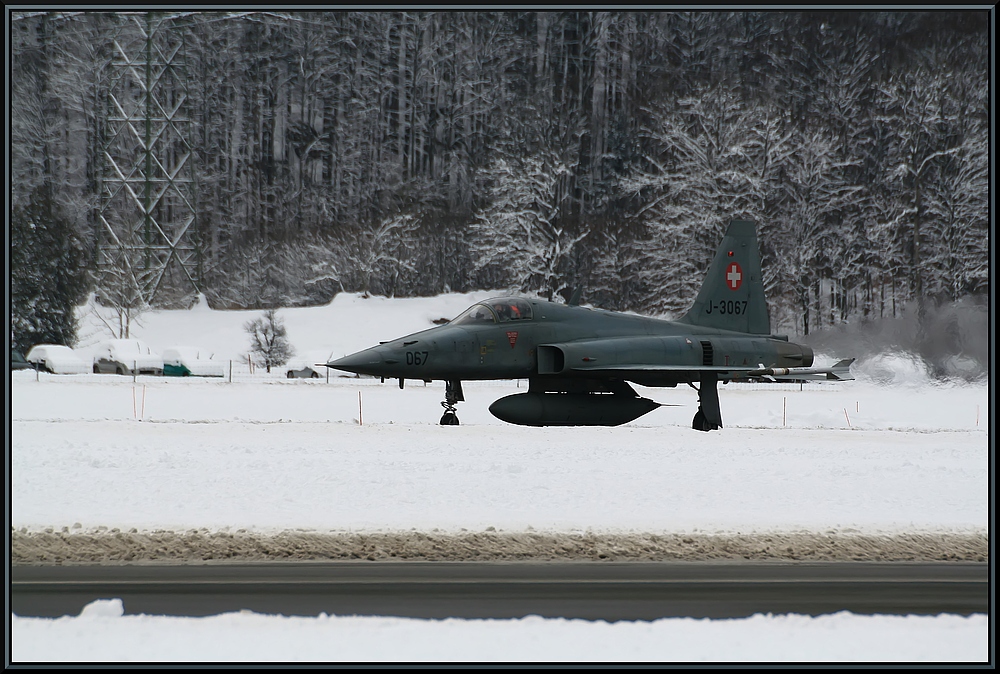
(512, 337)
(734, 276)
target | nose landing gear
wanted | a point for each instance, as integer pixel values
(452, 396)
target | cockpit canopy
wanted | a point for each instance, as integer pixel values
(500, 310)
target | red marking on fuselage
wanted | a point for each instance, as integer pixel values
(512, 337)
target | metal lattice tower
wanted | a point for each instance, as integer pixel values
(146, 238)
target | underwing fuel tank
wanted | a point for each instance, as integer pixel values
(570, 409)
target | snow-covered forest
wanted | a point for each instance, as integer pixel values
(411, 153)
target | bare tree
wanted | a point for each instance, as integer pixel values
(523, 233)
(269, 345)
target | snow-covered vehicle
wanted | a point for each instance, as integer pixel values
(184, 361)
(18, 361)
(57, 359)
(127, 356)
(310, 366)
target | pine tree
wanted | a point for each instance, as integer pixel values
(46, 274)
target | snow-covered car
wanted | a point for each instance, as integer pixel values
(305, 371)
(184, 361)
(18, 361)
(310, 366)
(57, 359)
(122, 356)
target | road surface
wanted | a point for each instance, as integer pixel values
(590, 590)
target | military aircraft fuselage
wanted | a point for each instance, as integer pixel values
(551, 340)
(578, 361)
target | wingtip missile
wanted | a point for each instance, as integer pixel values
(839, 371)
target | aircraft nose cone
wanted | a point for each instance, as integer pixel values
(368, 361)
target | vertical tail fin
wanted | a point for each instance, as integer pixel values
(732, 296)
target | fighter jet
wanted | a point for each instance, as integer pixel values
(579, 362)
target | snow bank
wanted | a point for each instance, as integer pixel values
(103, 634)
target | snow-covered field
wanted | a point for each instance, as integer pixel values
(283, 454)
(266, 454)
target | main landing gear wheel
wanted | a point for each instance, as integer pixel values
(701, 423)
(709, 416)
(452, 396)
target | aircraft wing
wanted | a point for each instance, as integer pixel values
(839, 371)
(645, 367)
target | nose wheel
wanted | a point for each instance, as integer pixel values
(452, 396)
